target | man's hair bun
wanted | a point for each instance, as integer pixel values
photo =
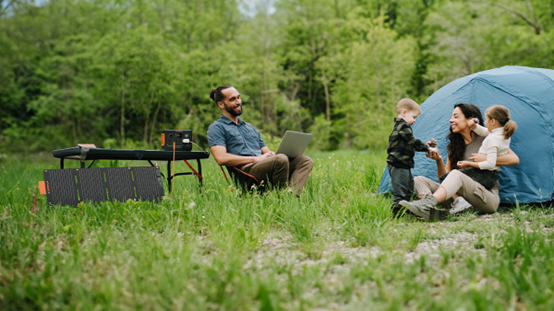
(216, 95)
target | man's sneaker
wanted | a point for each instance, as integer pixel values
(460, 205)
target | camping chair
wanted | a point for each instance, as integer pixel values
(243, 180)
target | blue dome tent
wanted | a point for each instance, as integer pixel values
(529, 94)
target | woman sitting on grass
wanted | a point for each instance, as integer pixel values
(464, 145)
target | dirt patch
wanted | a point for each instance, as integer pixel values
(460, 235)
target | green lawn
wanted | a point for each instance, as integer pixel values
(334, 248)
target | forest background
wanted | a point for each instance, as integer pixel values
(117, 72)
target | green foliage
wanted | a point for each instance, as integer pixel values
(379, 68)
(321, 130)
(81, 71)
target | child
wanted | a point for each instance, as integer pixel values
(401, 151)
(499, 129)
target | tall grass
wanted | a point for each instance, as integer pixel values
(336, 247)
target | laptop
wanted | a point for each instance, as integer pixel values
(294, 144)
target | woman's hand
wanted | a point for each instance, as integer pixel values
(478, 157)
(507, 159)
(464, 164)
(434, 154)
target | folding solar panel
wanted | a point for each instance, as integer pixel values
(72, 186)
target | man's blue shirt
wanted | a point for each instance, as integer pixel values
(240, 139)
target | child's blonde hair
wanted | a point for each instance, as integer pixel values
(408, 104)
(502, 115)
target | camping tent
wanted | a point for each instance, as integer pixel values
(529, 94)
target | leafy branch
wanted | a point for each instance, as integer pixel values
(535, 25)
(5, 9)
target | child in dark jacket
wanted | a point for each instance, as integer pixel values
(401, 151)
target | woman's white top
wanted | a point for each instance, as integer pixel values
(494, 145)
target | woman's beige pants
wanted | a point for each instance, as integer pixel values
(456, 182)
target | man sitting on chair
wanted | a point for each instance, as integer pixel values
(235, 143)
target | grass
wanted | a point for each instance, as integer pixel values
(334, 248)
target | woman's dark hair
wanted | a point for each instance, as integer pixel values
(457, 146)
(217, 95)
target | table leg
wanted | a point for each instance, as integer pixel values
(169, 180)
(199, 172)
(61, 163)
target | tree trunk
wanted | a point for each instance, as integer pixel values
(122, 122)
(265, 113)
(122, 118)
(145, 136)
(262, 104)
(378, 89)
(310, 86)
(327, 99)
(147, 109)
(74, 128)
(154, 122)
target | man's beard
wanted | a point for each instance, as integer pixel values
(232, 111)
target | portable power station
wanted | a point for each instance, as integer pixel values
(181, 138)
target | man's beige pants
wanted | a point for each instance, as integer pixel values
(485, 201)
(281, 171)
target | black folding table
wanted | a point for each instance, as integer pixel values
(84, 153)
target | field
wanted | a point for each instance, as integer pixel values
(334, 248)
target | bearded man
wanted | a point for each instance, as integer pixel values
(235, 143)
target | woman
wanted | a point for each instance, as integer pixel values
(464, 145)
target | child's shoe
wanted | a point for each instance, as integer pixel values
(460, 205)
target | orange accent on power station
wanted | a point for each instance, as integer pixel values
(163, 139)
(42, 187)
(48, 187)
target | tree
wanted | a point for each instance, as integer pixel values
(379, 68)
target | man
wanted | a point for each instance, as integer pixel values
(235, 143)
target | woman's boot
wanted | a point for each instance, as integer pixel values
(425, 208)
